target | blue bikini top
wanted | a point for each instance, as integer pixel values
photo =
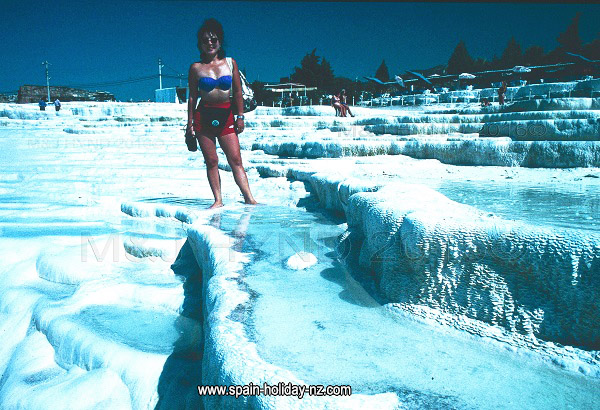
(208, 83)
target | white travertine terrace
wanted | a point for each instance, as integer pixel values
(114, 276)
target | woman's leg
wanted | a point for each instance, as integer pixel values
(338, 109)
(209, 151)
(347, 107)
(230, 145)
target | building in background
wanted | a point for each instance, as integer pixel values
(33, 93)
(171, 95)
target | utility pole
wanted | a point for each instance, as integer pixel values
(46, 63)
(160, 66)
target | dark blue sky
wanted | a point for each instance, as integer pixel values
(90, 42)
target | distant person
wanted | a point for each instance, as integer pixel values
(502, 92)
(343, 101)
(337, 104)
(485, 102)
(57, 105)
(211, 79)
(42, 104)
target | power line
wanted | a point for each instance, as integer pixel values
(111, 83)
(172, 69)
(101, 84)
(117, 82)
(180, 76)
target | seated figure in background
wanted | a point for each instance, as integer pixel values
(343, 101)
(336, 103)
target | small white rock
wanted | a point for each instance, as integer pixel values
(301, 260)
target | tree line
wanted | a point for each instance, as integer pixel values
(568, 41)
(316, 71)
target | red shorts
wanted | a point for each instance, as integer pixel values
(220, 131)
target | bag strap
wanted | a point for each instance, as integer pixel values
(246, 90)
(230, 64)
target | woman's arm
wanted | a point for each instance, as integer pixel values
(193, 87)
(238, 100)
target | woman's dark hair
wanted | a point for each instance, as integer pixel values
(212, 26)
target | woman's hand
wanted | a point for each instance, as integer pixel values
(189, 130)
(239, 125)
(190, 139)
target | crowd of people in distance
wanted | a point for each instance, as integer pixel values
(342, 109)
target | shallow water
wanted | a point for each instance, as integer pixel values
(574, 206)
(319, 324)
(146, 330)
(192, 203)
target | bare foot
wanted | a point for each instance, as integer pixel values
(251, 202)
(217, 204)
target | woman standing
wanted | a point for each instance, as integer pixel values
(211, 79)
(502, 92)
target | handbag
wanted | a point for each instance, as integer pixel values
(247, 93)
(190, 140)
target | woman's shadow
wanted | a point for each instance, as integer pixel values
(182, 372)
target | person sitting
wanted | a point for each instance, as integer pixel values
(485, 102)
(339, 108)
(343, 98)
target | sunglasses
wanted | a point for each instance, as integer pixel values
(209, 40)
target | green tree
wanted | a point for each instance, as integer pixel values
(569, 40)
(308, 71)
(494, 63)
(352, 87)
(262, 95)
(313, 71)
(480, 65)
(534, 55)
(512, 55)
(382, 72)
(592, 50)
(326, 76)
(460, 61)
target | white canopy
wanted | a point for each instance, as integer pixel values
(521, 69)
